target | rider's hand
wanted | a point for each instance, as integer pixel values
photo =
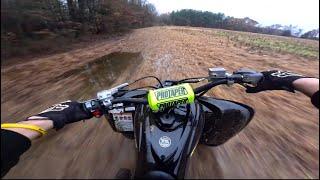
(63, 113)
(275, 80)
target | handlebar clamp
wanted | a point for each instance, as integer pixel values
(249, 76)
(106, 95)
(220, 73)
(93, 107)
(217, 73)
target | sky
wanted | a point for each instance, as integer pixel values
(301, 13)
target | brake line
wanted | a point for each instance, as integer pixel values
(145, 78)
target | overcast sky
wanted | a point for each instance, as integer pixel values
(304, 13)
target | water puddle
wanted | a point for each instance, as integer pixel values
(101, 73)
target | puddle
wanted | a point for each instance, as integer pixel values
(101, 73)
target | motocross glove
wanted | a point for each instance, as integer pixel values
(275, 80)
(63, 113)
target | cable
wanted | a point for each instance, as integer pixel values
(197, 78)
(143, 87)
(145, 78)
(191, 81)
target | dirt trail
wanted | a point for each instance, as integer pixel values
(282, 141)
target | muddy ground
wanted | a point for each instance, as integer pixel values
(282, 141)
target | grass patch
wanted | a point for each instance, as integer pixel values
(276, 44)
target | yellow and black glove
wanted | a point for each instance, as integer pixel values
(63, 113)
(275, 80)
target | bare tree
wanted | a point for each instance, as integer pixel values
(72, 9)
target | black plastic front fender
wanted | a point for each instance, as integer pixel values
(223, 119)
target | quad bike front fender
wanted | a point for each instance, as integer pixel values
(223, 120)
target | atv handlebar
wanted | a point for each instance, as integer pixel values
(217, 76)
(209, 86)
(241, 76)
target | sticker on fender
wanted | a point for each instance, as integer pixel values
(123, 121)
(163, 98)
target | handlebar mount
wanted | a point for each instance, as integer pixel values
(242, 75)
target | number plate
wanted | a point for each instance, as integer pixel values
(123, 121)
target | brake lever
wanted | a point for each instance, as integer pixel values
(107, 95)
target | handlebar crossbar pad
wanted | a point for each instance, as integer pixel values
(163, 98)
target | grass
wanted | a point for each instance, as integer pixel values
(277, 44)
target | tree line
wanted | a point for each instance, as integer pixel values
(189, 17)
(29, 26)
(32, 25)
(24, 17)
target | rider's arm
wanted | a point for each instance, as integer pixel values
(15, 141)
(31, 134)
(13, 145)
(284, 80)
(307, 86)
(315, 99)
